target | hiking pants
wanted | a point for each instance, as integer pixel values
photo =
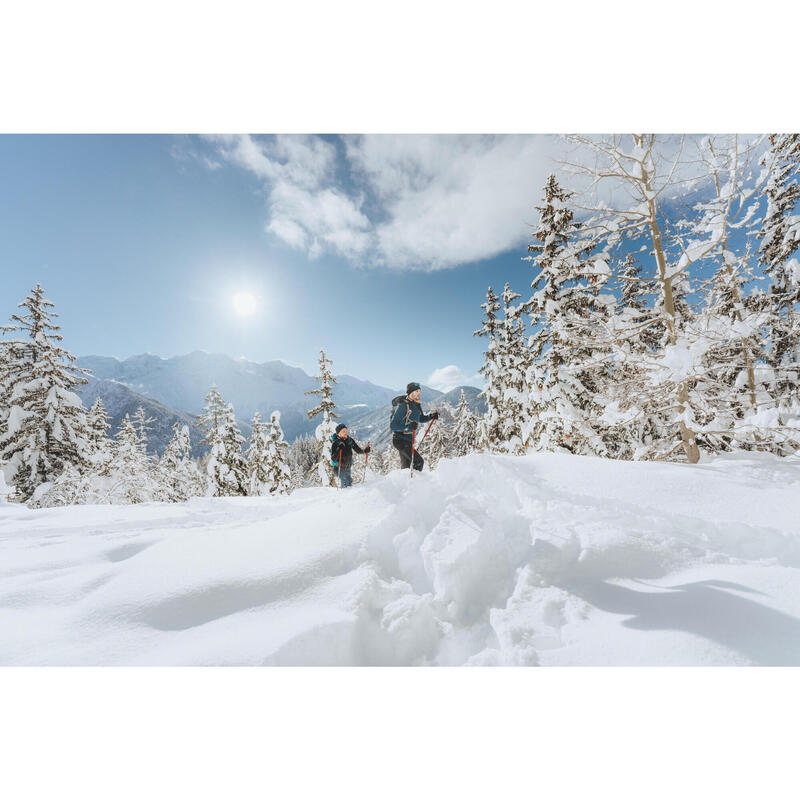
(403, 446)
(345, 478)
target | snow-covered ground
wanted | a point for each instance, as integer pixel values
(547, 559)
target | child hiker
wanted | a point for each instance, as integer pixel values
(342, 454)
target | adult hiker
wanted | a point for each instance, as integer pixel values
(342, 447)
(406, 416)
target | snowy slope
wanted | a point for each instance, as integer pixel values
(547, 559)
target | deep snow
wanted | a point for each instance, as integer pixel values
(547, 559)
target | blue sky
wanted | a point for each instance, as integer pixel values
(377, 248)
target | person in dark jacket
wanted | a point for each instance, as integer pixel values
(342, 455)
(406, 417)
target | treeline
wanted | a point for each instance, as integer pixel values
(56, 452)
(662, 321)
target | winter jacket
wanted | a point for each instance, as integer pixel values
(343, 448)
(405, 410)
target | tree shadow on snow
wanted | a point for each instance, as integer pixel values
(705, 608)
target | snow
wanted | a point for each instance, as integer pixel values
(545, 559)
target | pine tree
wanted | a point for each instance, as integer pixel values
(302, 458)
(438, 443)
(279, 475)
(7, 358)
(564, 404)
(492, 372)
(98, 425)
(780, 235)
(324, 474)
(45, 429)
(179, 477)
(130, 468)
(6, 491)
(390, 460)
(210, 422)
(225, 464)
(143, 427)
(465, 430)
(516, 423)
(258, 482)
(780, 232)
(634, 434)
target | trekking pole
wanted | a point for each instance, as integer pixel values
(426, 432)
(413, 434)
(366, 458)
(340, 468)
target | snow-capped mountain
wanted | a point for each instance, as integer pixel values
(181, 383)
(120, 400)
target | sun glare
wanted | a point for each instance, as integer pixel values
(244, 304)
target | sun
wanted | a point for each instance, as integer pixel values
(244, 304)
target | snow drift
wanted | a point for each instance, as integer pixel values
(489, 560)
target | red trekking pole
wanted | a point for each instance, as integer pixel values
(426, 432)
(413, 435)
(366, 458)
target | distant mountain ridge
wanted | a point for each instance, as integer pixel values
(178, 386)
(120, 400)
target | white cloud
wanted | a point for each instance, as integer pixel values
(405, 202)
(446, 378)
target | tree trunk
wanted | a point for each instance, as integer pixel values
(687, 435)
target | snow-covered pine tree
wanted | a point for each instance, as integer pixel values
(376, 464)
(279, 474)
(565, 311)
(268, 468)
(323, 471)
(438, 444)
(465, 429)
(225, 465)
(45, 429)
(6, 360)
(258, 478)
(6, 491)
(634, 434)
(492, 371)
(780, 235)
(210, 422)
(298, 477)
(143, 426)
(98, 424)
(390, 460)
(516, 422)
(780, 231)
(179, 476)
(302, 458)
(130, 468)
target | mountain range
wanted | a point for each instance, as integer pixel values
(174, 390)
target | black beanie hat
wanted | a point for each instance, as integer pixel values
(412, 387)
(340, 426)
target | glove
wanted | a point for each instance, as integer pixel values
(367, 449)
(413, 425)
(435, 415)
